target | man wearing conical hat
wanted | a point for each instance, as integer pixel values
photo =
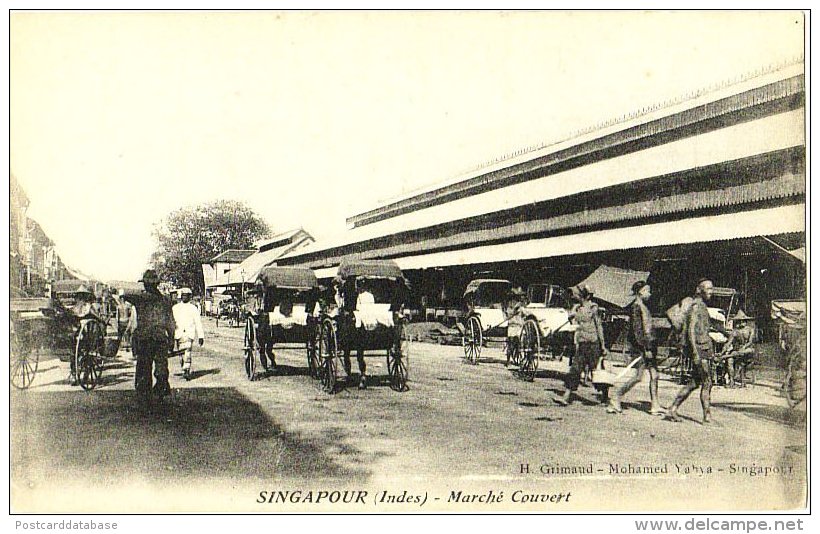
(739, 351)
(83, 311)
(152, 340)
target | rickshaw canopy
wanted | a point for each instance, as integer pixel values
(71, 286)
(300, 278)
(476, 284)
(29, 304)
(789, 311)
(370, 269)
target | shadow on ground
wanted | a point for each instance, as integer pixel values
(766, 412)
(103, 436)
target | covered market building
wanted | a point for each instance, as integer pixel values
(711, 185)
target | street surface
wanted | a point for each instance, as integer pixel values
(221, 439)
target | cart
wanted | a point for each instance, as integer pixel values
(282, 311)
(364, 326)
(546, 332)
(29, 336)
(792, 321)
(485, 299)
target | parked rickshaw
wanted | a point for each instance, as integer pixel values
(546, 331)
(722, 307)
(368, 317)
(793, 338)
(485, 299)
(282, 311)
(29, 336)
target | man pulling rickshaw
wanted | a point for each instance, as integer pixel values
(89, 325)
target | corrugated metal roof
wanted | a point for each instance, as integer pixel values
(753, 223)
(232, 255)
(786, 186)
(780, 82)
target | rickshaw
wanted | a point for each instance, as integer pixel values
(792, 335)
(288, 295)
(485, 299)
(87, 335)
(229, 310)
(722, 307)
(361, 325)
(29, 335)
(546, 331)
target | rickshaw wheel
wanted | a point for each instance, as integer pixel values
(398, 363)
(250, 343)
(473, 340)
(328, 350)
(85, 364)
(530, 343)
(88, 371)
(22, 364)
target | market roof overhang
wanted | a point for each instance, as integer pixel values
(764, 222)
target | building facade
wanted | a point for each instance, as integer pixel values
(712, 185)
(33, 257)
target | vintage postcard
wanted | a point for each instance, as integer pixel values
(414, 261)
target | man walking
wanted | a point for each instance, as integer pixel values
(642, 343)
(698, 347)
(152, 339)
(188, 328)
(589, 343)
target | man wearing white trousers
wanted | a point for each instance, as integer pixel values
(189, 328)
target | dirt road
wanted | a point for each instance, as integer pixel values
(458, 426)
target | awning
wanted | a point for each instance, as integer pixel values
(613, 285)
(370, 269)
(789, 311)
(247, 271)
(753, 223)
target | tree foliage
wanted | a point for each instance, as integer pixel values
(189, 237)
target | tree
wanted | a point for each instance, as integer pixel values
(189, 237)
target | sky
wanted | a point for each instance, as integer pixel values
(119, 118)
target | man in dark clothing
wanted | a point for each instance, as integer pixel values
(642, 343)
(698, 346)
(589, 343)
(264, 334)
(152, 339)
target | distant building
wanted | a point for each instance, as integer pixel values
(223, 263)
(18, 233)
(223, 271)
(33, 257)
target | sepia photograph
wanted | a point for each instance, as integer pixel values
(405, 262)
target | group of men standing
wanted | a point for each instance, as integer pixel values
(696, 345)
